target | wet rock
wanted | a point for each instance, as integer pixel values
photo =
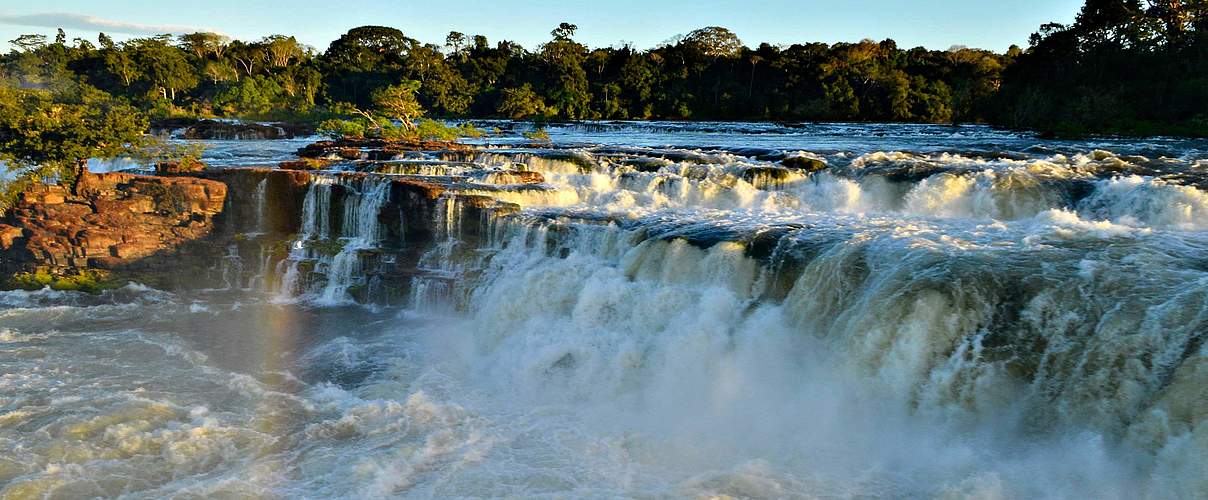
(188, 128)
(305, 164)
(644, 164)
(181, 230)
(764, 154)
(804, 163)
(262, 199)
(515, 177)
(352, 149)
(185, 166)
(769, 177)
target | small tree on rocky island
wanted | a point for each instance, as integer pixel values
(398, 102)
(49, 135)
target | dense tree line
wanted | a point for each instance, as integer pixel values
(1121, 63)
(1123, 66)
(706, 74)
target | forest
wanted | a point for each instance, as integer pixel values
(1124, 66)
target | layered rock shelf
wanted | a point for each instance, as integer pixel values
(108, 221)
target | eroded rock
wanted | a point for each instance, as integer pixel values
(109, 220)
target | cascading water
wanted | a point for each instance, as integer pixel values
(699, 321)
(316, 224)
(360, 231)
(335, 254)
(261, 196)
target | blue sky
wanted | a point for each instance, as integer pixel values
(936, 24)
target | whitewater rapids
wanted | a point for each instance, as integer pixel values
(930, 313)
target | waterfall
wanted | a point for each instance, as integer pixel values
(326, 260)
(360, 231)
(316, 216)
(444, 264)
(1034, 339)
(261, 196)
(1022, 296)
(232, 269)
(1000, 300)
(651, 321)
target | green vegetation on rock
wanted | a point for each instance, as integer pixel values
(538, 135)
(88, 281)
(329, 247)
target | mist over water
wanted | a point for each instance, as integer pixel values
(934, 312)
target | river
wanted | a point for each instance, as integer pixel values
(939, 312)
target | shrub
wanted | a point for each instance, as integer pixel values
(337, 128)
(429, 129)
(468, 129)
(539, 135)
(87, 281)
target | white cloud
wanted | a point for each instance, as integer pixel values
(83, 22)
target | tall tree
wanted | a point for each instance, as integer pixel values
(165, 67)
(364, 59)
(282, 49)
(566, 82)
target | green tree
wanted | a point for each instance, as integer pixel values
(303, 82)
(204, 44)
(364, 59)
(219, 71)
(398, 102)
(120, 61)
(50, 135)
(165, 67)
(282, 49)
(247, 56)
(564, 32)
(254, 95)
(457, 42)
(715, 41)
(520, 103)
(1121, 67)
(29, 43)
(566, 80)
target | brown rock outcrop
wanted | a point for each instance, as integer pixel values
(108, 220)
(185, 166)
(234, 226)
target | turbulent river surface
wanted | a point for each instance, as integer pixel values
(677, 311)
